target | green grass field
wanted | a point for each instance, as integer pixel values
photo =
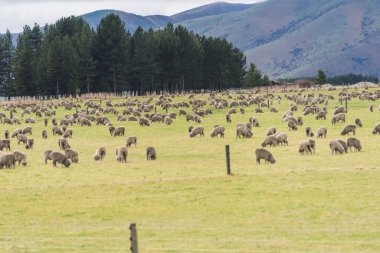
(184, 202)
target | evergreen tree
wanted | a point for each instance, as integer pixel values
(6, 58)
(321, 77)
(253, 77)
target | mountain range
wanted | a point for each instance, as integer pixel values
(284, 38)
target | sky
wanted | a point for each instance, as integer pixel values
(14, 14)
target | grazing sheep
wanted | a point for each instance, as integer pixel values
(269, 141)
(168, 120)
(242, 110)
(120, 131)
(63, 128)
(254, 122)
(376, 129)
(8, 161)
(271, 131)
(348, 129)
(292, 126)
(282, 139)
(20, 157)
(321, 132)
(219, 130)
(6, 134)
(44, 134)
(21, 138)
(54, 121)
(232, 111)
(111, 129)
(122, 154)
(259, 110)
(189, 117)
(47, 155)
(5, 144)
(131, 140)
(244, 132)
(68, 133)
(353, 142)
(144, 121)
(63, 144)
(151, 153)
(371, 108)
(344, 145)
(264, 154)
(309, 132)
(58, 157)
(72, 155)
(56, 130)
(29, 144)
(84, 122)
(312, 145)
(132, 119)
(100, 154)
(45, 122)
(190, 129)
(305, 147)
(358, 122)
(321, 115)
(339, 109)
(338, 117)
(336, 147)
(197, 131)
(16, 132)
(228, 118)
(299, 121)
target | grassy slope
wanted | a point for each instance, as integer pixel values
(183, 202)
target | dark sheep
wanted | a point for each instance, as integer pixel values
(5, 144)
(100, 154)
(344, 145)
(45, 122)
(122, 154)
(353, 142)
(358, 122)
(309, 132)
(56, 131)
(321, 132)
(8, 161)
(321, 115)
(6, 134)
(305, 147)
(131, 140)
(244, 132)
(58, 157)
(72, 155)
(336, 147)
(190, 129)
(376, 129)
(29, 144)
(264, 154)
(47, 155)
(292, 126)
(219, 130)
(63, 144)
(111, 129)
(68, 133)
(269, 141)
(44, 134)
(282, 139)
(254, 122)
(144, 121)
(197, 131)
(348, 129)
(312, 145)
(228, 118)
(16, 132)
(120, 131)
(21, 138)
(20, 157)
(271, 131)
(151, 153)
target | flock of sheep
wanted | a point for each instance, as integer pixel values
(143, 111)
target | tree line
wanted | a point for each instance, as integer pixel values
(69, 57)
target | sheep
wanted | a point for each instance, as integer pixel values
(29, 144)
(269, 141)
(197, 131)
(189, 117)
(309, 132)
(371, 108)
(336, 147)
(353, 142)
(264, 154)
(84, 122)
(45, 122)
(244, 132)
(228, 118)
(376, 129)
(321, 115)
(54, 121)
(254, 122)
(58, 157)
(151, 153)
(299, 121)
(16, 132)
(168, 120)
(348, 129)
(190, 129)
(121, 154)
(321, 132)
(338, 117)
(339, 109)
(20, 157)
(232, 111)
(242, 110)
(259, 110)
(56, 130)
(44, 134)
(68, 133)
(63, 128)
(8, 161)
(358, 122)
(47, 155)
(144, 121)
(344, 145)
(131, 140)
(100, 154)
(72, 155)
(271, 131)
(312, 145)
(247, 125)
(282, 139)
(63, 144)
(111, 129)
(120, 131)
(6, 134)
(292, 126)
(5, 144)
(219, 130)
(132, 119)
(21, 138)
(304, 147)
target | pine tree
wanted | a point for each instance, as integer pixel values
(6, 58)
(321, 77)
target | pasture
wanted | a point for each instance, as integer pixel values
(184, 201)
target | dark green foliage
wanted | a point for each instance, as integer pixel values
(254, 77)
(321, 77)
(69, 58)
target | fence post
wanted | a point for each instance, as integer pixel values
(228, 161)
(346, 105)
(133, 238)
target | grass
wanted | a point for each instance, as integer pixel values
(184, 202)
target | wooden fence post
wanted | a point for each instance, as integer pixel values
(228, 161)
(133, 238)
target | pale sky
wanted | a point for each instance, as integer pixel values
(14, 14)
